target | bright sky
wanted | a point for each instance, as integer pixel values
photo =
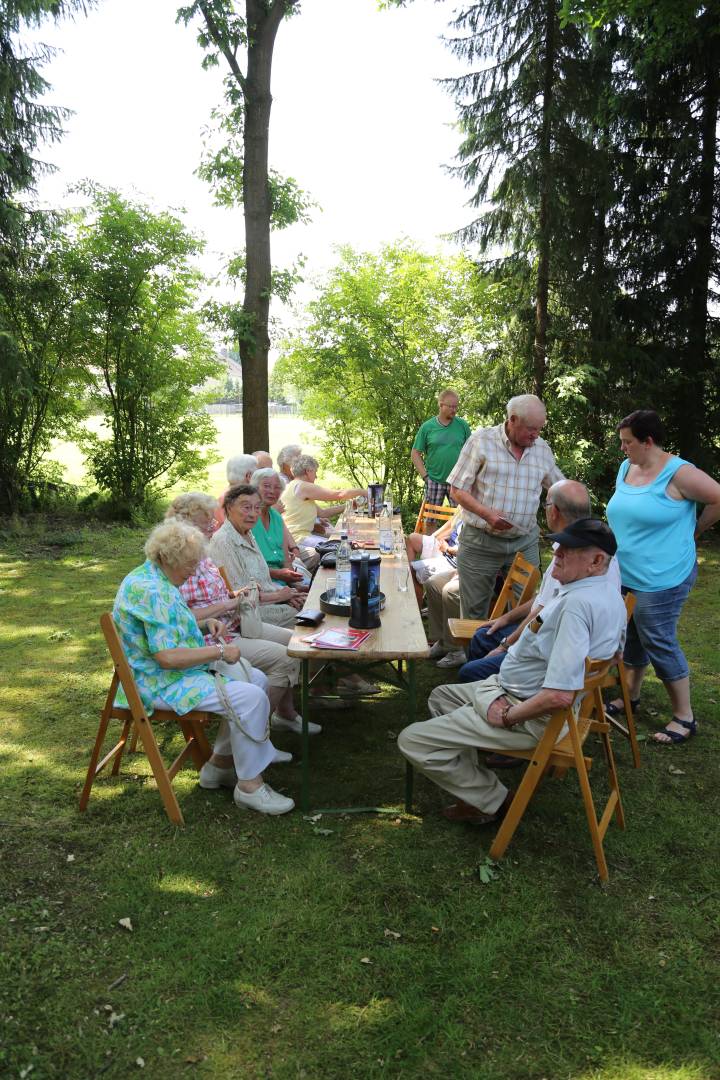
(357, 119)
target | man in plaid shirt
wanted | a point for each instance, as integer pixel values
(497, 481)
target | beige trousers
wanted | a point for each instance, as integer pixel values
(442, 592)
(278, 614)
(443, 748)
(269, 654)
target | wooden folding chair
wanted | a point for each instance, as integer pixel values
(550, 755)
(519, 586)
(619, 681)
(565, 754)
(192, 725)
(431, 514)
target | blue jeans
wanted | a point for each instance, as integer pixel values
(652, 631)
(480, 665)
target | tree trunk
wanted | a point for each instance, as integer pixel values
(698, 363)
(543, 273)
(262, 23)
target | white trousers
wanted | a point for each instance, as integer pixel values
(250, 702)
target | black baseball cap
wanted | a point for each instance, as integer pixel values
(588, 532)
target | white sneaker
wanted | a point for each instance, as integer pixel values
(436, 651)
(212, 777)
(264, 800)
(281, 757)
(455, 658)
(281, 723)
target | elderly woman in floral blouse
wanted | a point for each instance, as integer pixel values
(207, 596)
(235, 549)
(170, 661)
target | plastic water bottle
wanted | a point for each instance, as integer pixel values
(342, 570)
(386, 531)
(348, 519)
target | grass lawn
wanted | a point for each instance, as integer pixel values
(283, 430)
(356, 946)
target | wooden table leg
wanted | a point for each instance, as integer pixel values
(411, 706)
(305, 706)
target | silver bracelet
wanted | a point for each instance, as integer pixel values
(221, 647)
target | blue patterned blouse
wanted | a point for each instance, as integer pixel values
(151, 615)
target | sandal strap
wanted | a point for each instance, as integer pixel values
(689, 724)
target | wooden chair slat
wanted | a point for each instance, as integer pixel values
(191, 724)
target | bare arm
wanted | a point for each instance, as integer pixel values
(213, 610)
(468, 502)
(695, 484)
(183, 658)
(306, 490)
(417, 460)
(537, 705)
(525, 613)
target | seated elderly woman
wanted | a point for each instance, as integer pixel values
(171, 664)
(273, 536)
(299, 497)
(207, 596)
(238, 470)
(235, 549)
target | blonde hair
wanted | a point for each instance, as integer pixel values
(174, 542)
(192, 506)
(446, 394)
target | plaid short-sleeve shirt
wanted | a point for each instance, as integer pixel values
(206, 587)
(488, 470)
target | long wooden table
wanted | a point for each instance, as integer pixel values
(400, 639)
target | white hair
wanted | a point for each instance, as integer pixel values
(238, 467)
(175, 542)
(193, 507)
(523, 405)
(288, 453)
(263, 474)
(300, 465)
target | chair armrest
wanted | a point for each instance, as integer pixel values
(463, 629)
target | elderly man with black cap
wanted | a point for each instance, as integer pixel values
(541, 672)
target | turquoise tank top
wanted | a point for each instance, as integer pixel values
(655, 534)
(270, 541)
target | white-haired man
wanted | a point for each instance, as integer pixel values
(285, 458)
(541, 672)
(498, 480)
(264, 460)
(238, 470)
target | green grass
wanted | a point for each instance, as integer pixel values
(283, 430)
(246, 957)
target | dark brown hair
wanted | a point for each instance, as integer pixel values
(645, 424)
(235, 492)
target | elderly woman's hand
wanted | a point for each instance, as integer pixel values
(286, 574)
(214, 627)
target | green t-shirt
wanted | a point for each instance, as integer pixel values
(440, 445)
(270, 541)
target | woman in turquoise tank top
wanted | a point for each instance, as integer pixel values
(653, 516)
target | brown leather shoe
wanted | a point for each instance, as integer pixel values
(504, 761)
(470, 815)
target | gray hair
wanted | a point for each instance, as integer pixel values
(300, 465)
(192, 506)
(571, 499)
(289, 453)
(263, 474)
(174, 542)
(524, 404)
(238, 467)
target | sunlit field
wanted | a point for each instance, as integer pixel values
(283, 430)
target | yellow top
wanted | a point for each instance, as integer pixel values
(299, 513)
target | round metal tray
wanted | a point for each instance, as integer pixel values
(330, 606)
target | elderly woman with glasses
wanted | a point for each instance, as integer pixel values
(171, 661)
(274, 539)
(299, 497)
(235, 549)
(207, 596)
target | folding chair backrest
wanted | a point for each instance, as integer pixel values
(518, 587)
(434, 515)
(122, 668)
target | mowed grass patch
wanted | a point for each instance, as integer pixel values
(355, 945)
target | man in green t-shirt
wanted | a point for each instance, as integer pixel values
(437, 447)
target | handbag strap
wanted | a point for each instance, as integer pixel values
(230, 711)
